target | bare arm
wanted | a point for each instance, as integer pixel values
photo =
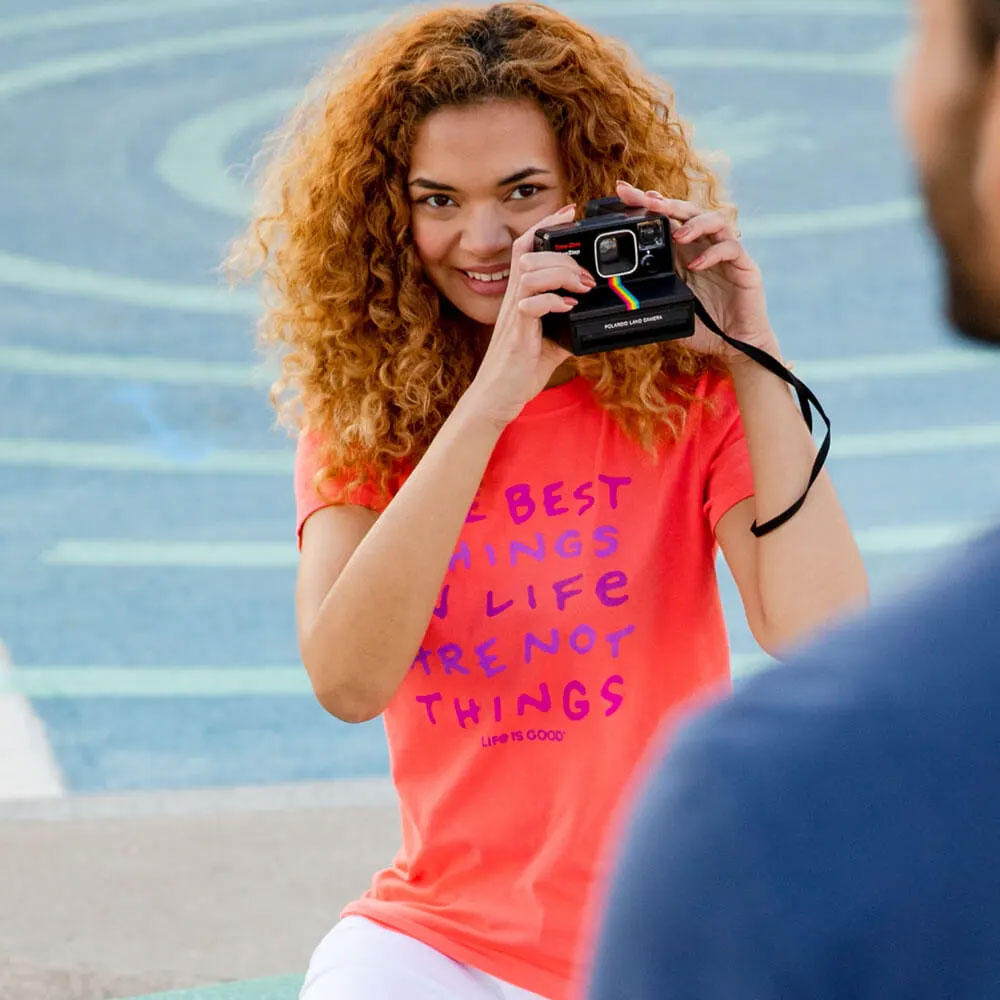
(360, 625)
(809, 570)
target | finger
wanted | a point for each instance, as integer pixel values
(524, 243)
(548, 279)
(674, 208)
(631, 195)
(719, 253)
(708, 225)
(538, 306)
(539, 259)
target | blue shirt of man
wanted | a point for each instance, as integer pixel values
(833, 829)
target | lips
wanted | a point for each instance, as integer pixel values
(490, 282)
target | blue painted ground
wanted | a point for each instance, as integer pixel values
(86, 210)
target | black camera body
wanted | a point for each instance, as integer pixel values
(639, 299)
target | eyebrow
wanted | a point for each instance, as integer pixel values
(513, 179)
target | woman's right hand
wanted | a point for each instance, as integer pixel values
(519, 361)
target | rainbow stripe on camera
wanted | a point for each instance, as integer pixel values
(615, 284)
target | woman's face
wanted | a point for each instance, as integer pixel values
(480, 175)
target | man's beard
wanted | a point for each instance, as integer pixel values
(972, 275)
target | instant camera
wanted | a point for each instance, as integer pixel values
(638, 298)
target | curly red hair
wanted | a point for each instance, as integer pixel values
(372, 357)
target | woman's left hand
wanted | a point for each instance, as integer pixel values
(718, 270)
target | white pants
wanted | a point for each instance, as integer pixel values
(362, 960)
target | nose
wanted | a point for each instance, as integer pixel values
(486, 234)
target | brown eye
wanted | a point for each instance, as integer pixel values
(430, 200)
(524, 191)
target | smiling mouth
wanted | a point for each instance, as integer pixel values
(480, 276)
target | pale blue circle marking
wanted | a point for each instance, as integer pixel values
(74, 68)
(193, 164)
(730, 8)
(62, 18)
(50, 278)
(116, 13)
(193, 160)
(26, 272)
(883, 61)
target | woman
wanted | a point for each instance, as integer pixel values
(508, 551)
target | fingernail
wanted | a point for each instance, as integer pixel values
(697, 262)
(626, 184)
(569, 301)
(654, 194)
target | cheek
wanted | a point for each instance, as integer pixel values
(431, 241)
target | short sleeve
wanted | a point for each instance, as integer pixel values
(725, 459)
(309, 498)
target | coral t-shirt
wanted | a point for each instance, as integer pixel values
(580, 606)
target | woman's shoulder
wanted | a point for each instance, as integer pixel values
(359, 482)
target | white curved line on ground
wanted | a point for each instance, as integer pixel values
(192, 161)
(154, 682)
(191, 555)
(49, 682)
(134, 368)
(729, 8)
(64, 18)
(842, 219)
(116, 13)
(46, 277)
(39, 452)
(916, 441)
(71, 69)
(124, 553)
(883, 61)
(35, 452)
(183, 371)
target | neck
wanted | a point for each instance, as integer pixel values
(565, 372)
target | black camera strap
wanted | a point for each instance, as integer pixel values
(807, 399)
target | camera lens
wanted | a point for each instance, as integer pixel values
(615, 252)
(607, 249)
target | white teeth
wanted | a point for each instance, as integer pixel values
(499, 276)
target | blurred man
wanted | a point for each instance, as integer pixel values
(833, 830)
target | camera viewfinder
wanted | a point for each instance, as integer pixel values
(651, 234)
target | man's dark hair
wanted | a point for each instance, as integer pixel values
(985, 27)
